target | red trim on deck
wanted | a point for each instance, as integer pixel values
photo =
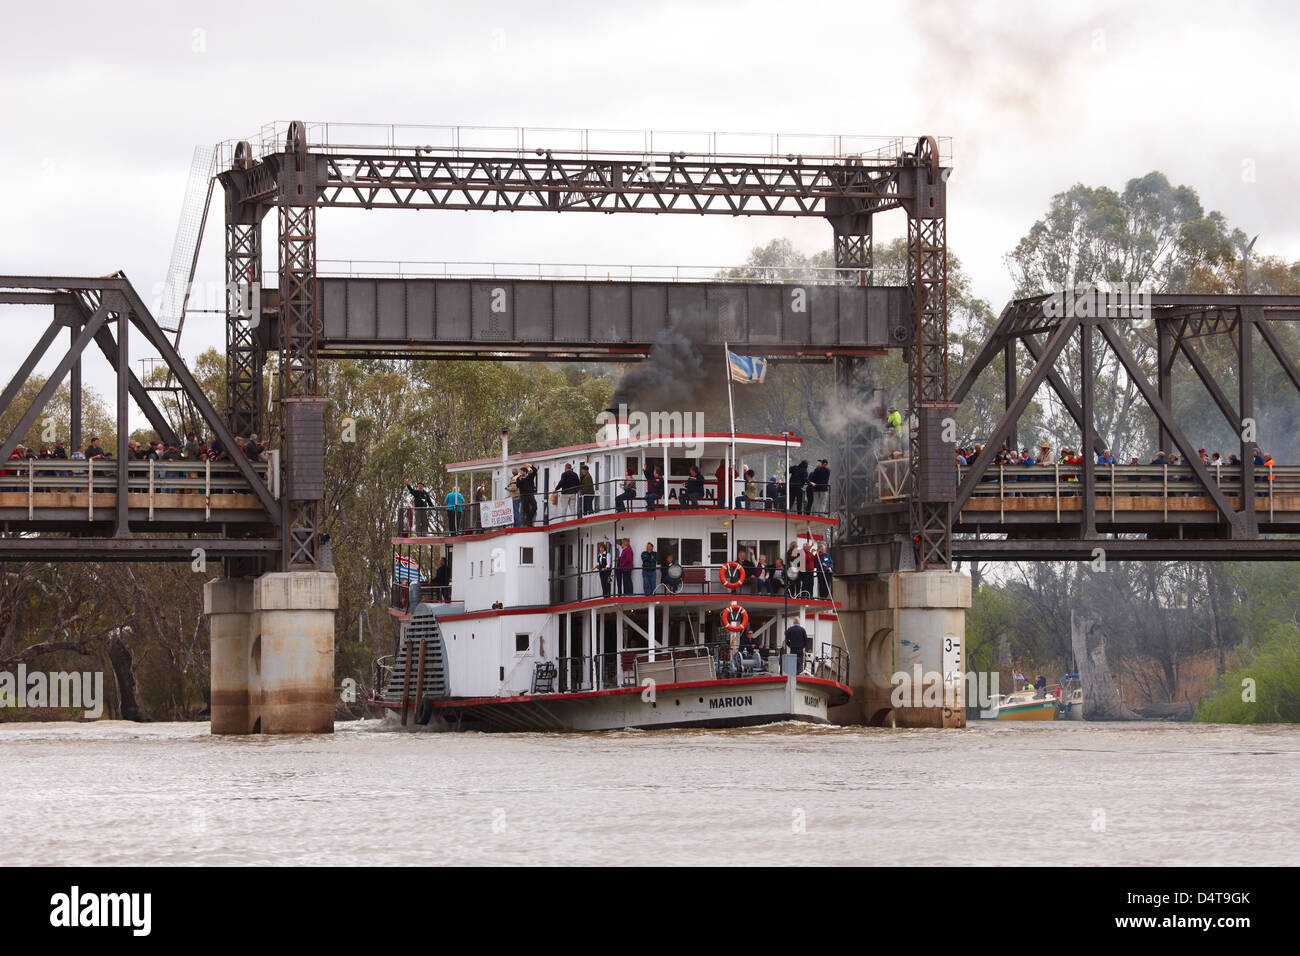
(615, 691)
(635, 599)
(600, 602)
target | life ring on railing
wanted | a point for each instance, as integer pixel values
(732, 574)
(735, 618)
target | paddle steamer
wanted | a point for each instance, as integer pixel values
(523, 632)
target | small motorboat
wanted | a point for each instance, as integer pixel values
(1027, 703)
(1071, 705)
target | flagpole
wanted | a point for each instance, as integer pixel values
(725, 486)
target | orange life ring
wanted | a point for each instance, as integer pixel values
(732, 575)
(735, 627)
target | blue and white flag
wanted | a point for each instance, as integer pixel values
(746, 369)
(405, 570)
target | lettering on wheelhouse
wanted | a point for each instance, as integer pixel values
(717, 703)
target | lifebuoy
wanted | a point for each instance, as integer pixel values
(732, 621)
(732, 574)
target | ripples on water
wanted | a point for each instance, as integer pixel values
(118, 793)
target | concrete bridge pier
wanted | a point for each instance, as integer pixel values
(910, 623)
(272, 640)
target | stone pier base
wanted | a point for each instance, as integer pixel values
(272, 652)
(908, 622)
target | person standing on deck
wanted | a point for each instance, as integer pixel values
(625, 562)
(512, 489)
(798, 482)
(455, 503)
(442, 580)
(808, 568)
(527, 484)
(422, 502)
(587, 489)
(603, 567)
(796, 641)
(649, 569)
(566, 490)
(825, 570)
(819, 487)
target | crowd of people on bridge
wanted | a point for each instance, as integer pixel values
(191, 449)
(1067, 456)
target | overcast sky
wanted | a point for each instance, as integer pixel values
(103, 105)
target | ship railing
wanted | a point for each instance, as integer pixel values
(831, 663)
(633, 667)
(419, 561)
(609, 498)
(380, 673)
(691, 580)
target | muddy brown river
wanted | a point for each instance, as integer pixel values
(1139, 794)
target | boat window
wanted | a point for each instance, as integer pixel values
(692, 551)
(521, 642)
(718, 553)
(667, 546)
(526, 556)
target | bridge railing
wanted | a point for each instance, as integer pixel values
(1119, 482)
(607, 272)
(79, 486)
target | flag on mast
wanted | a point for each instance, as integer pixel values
(405, 570)
(746, 369)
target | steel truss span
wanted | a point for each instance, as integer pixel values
(301, 173)
(1190, 512)
(52, 516)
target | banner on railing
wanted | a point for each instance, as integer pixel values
(497, 513)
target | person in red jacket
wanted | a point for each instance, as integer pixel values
(626, 561)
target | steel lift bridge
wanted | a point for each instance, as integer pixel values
(266, 517)
(298, 169)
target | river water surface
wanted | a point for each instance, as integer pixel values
(1142, 794)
